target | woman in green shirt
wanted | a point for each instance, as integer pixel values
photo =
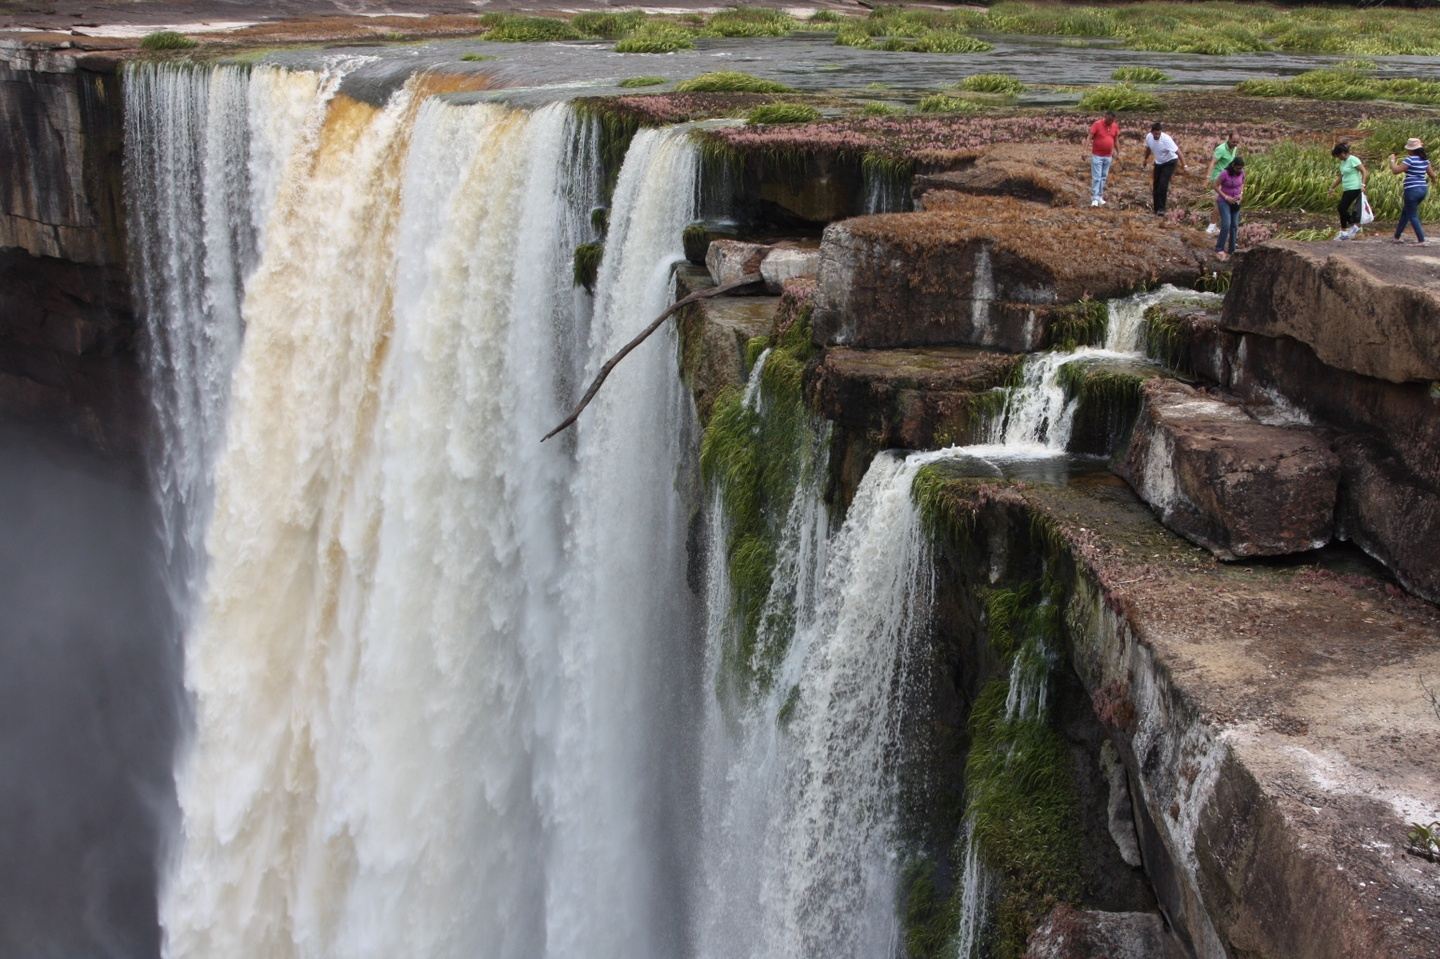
(1351, 178)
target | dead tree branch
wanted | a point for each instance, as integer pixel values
(749, 279)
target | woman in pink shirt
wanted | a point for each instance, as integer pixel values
(1229, 189)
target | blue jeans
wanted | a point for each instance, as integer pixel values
(1229, 226)
(1099, 173)
(1410, 215)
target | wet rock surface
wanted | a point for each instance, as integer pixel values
(1366, 308)
(988, 271)
(1089, 934)
(1268, 718)
(1233, 485)
(715, 334)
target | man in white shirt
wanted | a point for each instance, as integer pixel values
(1166, 155)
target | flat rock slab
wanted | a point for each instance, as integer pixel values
(1277, 739)
(907, 398)
(732, 260)
(1220, 479)
(988, 271)
(1371, 308)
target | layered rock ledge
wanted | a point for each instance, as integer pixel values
(1267, 717)
(986, 271)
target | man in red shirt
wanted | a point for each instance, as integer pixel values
(1104, 138)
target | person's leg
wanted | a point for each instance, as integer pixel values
(1222, 217)
(1163, 173)
(1096, 178)
(1105, 163)
(1349, 209)
(1410, 214)
(1419, 199)
(1405, 213)
(1234, 228)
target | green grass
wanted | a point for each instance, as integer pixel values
(656, 37)
(944, 103)
(1297, 176)
(1121, 98)
(514, 28)
(782, 113)
(1345, 84)
(1001, 83)
(631, 83)
(750, 22)
(875, 108)
(729, 81)
(1139, 75)
(476, 57)
(608, 26)
(166, 40)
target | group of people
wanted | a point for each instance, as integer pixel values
(1226, 178)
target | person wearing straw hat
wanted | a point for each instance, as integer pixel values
(1418, 176)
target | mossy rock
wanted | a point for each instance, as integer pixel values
(698, 237)
(587, 264)
(1107, 397)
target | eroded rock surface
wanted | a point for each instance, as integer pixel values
(1367, 308)
(1088, 934)
(731, 260)
(1233, 485)
(989, 271)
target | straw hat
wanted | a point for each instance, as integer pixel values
(1413, 143)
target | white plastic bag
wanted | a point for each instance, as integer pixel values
(1367, 215)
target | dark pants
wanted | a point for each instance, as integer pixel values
(1163, 173)
(1350, 208)
(1229, 226)
(1410, 215)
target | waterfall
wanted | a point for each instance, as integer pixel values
(438, 668)
(202, 158)
(801, 783)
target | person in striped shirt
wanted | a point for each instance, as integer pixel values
(1418, 176)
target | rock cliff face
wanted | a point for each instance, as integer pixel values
(67, 328)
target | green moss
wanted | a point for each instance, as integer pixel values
(1215, 282)
(782, 113)
(787, 708)
(167, 40)
(944, 520)
(600, 220)
(1023, 806)
(931, 919)
(1106, 403)
(631, 83)
(617, 129)
(1080, 324)
(754, 346)
(756, 460)
(656, 37)
(587, 264)
(729, 81)
(1161, 334)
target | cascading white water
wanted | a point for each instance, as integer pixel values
(429, 670)
(205, 150)
(801, 782)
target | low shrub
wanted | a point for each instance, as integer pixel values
(729, 81)
(782, 113)
(1120, 98)
(514, 28)
(944, 103)
(476, 57)
(1139, 75)
(875, 108)
(166, 40)
(993, 83)
(656, 36)
(632, 82)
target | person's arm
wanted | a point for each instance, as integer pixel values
(1364, 175)
(1430, 173)
(1181, 157)
(1396, 167)
(1335, 183)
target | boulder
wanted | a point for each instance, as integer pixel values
(1069, 933)
(988, 271)
(1367, 308)
(729, 260)
(1226, 482)
(784, 263)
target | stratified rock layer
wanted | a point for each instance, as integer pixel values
(1368, 308)
(1222, 480)
(987, 271)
